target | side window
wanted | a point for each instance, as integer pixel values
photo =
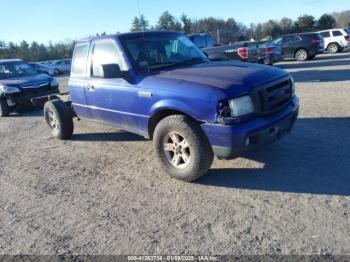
(326, 34)
(80, 59)
(199, 41)
(296, 38)
(337, 33)
(104, 53)
(287, 39)
(210, 41)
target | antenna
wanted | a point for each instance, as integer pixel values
(139, 10)
(143, 32)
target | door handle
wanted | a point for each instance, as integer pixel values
(90, 86)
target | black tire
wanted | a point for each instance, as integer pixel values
(199, 151)
(301, 55)
(4, 109)
(59, 119)
(312, 57)
(57, 72)
(333, 48)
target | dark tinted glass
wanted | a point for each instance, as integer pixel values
(210, 41)
(337, 33)
(326, 34)
(199, 41)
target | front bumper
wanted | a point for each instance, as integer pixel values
(26, 98)
(233, 141)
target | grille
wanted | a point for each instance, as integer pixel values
(272, 97)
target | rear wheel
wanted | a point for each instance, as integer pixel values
(4, 109)
(182, 148)
(59, 119)
(301, 55)
(57, 72)
(333, 48)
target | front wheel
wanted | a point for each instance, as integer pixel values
(59, 119)
(333, 48)
(182, 148)
(301, 55)
(4, 109)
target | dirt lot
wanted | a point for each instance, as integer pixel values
(103, 193)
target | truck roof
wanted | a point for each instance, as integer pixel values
(136, 34)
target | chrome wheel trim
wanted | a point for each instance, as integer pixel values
(53, 120)
(177, 150)
(301, 55)
(333, 48)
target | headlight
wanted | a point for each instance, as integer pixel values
(54, 83)
(292, 82)
(241, 106)
(9, 89)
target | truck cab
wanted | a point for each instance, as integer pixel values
(158, 84)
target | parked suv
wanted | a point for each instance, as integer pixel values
(20, 83)
(302, 46)
(336, 39)
(160, 85)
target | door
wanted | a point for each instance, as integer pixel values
(327, 37)
(289, 45)
(110, 100)
(338, 38)
(77, 79)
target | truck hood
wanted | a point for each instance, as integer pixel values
(237, 77)
(29, 81)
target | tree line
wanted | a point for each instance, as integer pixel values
(224, 31)
(230, 30)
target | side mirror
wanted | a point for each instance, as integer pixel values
(111, 71)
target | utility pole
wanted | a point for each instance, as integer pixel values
(218, 36)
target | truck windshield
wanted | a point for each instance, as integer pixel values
(151, 52)
(16, 69)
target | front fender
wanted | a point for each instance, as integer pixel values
(173, 104)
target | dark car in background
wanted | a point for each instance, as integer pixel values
(240, 51)
(20, 83)
(273, 51)
(301, 46)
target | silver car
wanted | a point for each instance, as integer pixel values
(62, 66)
(44, 69)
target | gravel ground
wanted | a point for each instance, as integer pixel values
(102, 192)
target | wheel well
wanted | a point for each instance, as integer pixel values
(158, 116)
(333, 43)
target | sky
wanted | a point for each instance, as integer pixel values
(62, 20)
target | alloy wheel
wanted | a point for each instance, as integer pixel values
(177, 150)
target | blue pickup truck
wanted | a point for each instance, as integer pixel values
(20, 83)
(158, 84)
